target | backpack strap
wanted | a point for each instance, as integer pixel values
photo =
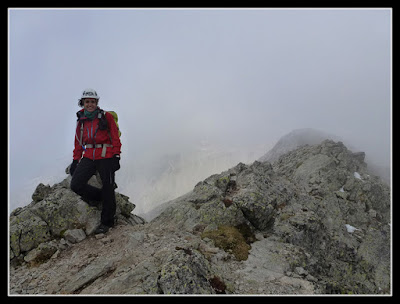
(80, 139)
(103, 124)
(80, 115)
(103, 120)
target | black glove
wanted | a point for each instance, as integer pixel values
(115, 162)
(73, 167)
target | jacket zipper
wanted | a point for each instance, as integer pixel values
(90, 136)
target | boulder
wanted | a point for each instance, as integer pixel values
(27, 231)
(40, 192)
(41, 253)
(186, 271)
(57, 212)
(74, 235)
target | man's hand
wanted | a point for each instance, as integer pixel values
(115, 163)
(73, 166)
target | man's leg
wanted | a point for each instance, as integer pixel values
(104, 166)
(79, 183)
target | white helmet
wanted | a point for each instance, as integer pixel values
(88, 93)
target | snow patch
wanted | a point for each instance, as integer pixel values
(357, 175)
(350, 229)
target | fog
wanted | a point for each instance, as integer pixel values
(196, 90)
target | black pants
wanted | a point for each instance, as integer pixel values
(79, 184)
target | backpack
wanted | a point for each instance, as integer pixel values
(115, 116)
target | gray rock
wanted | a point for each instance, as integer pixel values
(137, 238)
(27, 231)
(40, 192)
(41, 253)
(90, 273)
(185, 272)
(74, 235)
(93, 222)
(142, 279)
(56, 210)
(300, 271)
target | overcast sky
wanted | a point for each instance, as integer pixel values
(238, 77)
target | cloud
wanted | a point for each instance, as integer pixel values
(237, 77)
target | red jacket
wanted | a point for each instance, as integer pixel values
(90, 136)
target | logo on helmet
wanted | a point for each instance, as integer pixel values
(88, 93)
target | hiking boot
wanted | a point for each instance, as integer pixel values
(101, 229)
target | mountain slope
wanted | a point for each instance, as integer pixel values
(314, 222)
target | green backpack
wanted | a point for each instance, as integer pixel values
(116, 120)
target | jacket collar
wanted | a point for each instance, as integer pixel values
(81, 114)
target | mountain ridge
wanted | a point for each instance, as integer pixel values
(313, 222)
(309, 136)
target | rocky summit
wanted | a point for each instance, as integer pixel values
(312, 222)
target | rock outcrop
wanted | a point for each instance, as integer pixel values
(308, 136)
(294, 140)
(313, 222)
(57, 213)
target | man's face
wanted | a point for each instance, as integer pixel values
(90, 104)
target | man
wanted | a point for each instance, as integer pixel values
(97, 147)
